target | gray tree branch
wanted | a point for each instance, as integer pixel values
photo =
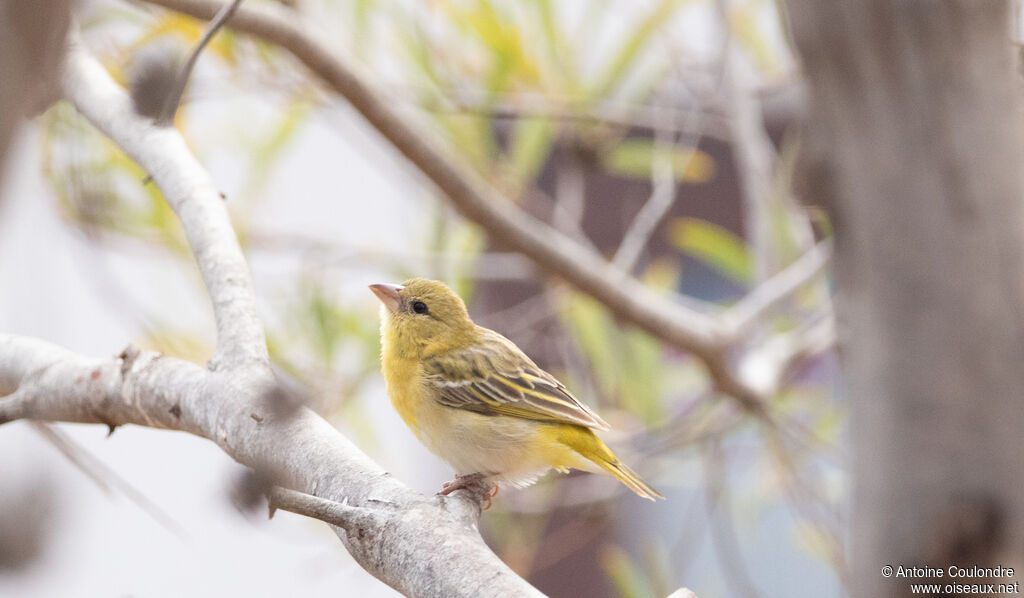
(742, 316)
(171, 102)
(421, 546)
(187, 187)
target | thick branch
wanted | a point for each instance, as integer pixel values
(190, 192)
(422, 546)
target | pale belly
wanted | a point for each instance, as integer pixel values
(496, 446)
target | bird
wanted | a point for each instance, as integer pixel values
(478, 402)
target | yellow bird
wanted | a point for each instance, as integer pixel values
(478, 402)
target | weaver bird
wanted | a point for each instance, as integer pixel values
(478, 402)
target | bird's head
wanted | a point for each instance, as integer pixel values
(423, 316)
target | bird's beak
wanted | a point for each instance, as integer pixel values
(388, 295)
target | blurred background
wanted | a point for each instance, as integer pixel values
(661, 133)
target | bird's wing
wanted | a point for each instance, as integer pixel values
(493, 377)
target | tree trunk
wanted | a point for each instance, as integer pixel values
(32, 34)
(914, 147)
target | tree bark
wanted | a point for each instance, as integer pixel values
(914, 146)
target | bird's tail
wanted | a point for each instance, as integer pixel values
(586, 443)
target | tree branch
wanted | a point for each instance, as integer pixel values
(106, 478)
(419, 545)
(173, 99)
(657, 118)
(747, 311)
(663, 195)
(190, 193)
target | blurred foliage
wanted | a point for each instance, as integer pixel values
(713, 245)
(630, 581)
(505, 84)
(632, 158)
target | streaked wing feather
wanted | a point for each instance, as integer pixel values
(494, 377)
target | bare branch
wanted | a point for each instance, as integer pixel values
(341, 514)
(518, 106)
(173, 99)
(190, 192)
(756, 159)
(767, 368)
(745, 313)
(663, 195)
(751, 149)
(570, 198)
(419, 545)
(724, 537)
(105, 478)
(336, 253)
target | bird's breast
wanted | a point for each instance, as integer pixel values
(403, 380)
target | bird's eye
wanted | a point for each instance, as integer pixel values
(419, 307)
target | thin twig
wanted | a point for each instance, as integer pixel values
(806, 503)
(752, 151)
(663, 182)
(173, 99)
(570, 198)
(723, 536)
(341, 514)
(663, 195)
(104, 477)
(654, 117)
(491, 265)
(769, 366)
(745, 313)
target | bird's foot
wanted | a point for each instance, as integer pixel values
(476, 483)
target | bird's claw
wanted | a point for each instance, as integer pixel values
(474, 482)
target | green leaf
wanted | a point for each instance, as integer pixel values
(530, 144)
(627, 54)
(633, 158)
(593, 328)
(642, 380)
(713, 245)
(627, 577)
(554, 43)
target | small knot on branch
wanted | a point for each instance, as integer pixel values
(128, 357)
